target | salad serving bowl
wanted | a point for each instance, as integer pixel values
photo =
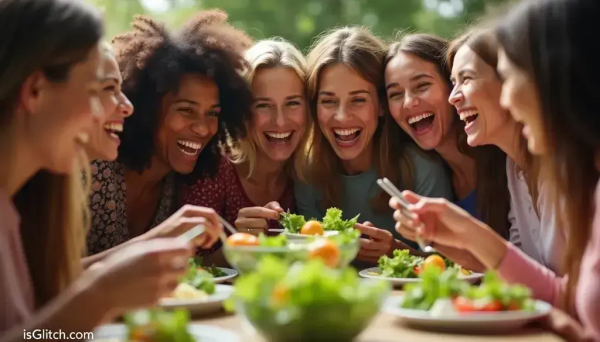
(307, 301)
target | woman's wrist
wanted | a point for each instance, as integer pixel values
(89, 288)
(486, 245)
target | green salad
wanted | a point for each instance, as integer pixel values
(492, 295)
(272, 241)
(198, 262)
(306, 300)
(332, 220)
(402, 265)
(199, 278)
(405, 265)
(158, 326)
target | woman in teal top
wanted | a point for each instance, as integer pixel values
(355, 141)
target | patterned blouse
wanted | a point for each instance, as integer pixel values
(225, 194)
(109, 206)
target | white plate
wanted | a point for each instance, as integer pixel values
(481, 322)
(293, 236)
(202, 333)
(230, 274)
(202, 306)
(472, 278)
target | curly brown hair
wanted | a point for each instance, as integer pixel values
(152, 60)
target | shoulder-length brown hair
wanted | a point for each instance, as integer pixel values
(493, 198)
(563, 69)
(54, 35)
(360, 50)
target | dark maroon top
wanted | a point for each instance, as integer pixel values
(225, 194)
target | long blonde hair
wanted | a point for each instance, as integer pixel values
(54, 220)
(360, 50)
(266, 54)
(51, 207)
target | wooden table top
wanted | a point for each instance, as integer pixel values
(386, 327)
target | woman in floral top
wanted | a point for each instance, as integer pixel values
(254, 182)
(188, 97)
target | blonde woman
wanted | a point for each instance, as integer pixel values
(254, 183)
(49, 95)
(355, 141)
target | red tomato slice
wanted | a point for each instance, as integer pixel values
(494, 305)
(417, 270)
(462, 304)
(514, 306)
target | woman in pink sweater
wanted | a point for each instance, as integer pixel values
(550, 85)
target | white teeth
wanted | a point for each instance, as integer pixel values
(114, 127)
(418, 118)
(190, 144)
(346, 131)
(464, 115)
(277, 135)
(83, 138)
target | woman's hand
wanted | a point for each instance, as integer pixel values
(566, 326)
(186, 218)
(380, 242)
(434, 219)
(139, 275)
(439, 221)
(255, 219)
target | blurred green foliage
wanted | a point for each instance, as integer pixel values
(300, 21)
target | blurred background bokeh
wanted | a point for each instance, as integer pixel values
(301, 20)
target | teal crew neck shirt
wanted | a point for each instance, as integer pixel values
(430, 179)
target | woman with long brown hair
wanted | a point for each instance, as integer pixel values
(418, 86)
(473, 60)
(355, 141)
(49, 85)
(550, 72)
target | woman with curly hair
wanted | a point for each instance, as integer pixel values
(254, 183)
(50, 85)
(189, 98)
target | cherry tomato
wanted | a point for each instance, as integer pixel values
(312, 228)
(417, 270)
(435, 261)
(326, 250)
(242, 239)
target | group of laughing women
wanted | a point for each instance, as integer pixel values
(111, 151)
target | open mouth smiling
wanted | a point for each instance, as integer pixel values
(422, 122)
(113, 129)
(189, 147)
(279, 137)
(469, 116)
(348, 136)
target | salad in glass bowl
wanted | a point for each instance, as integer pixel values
(307, 301)
(243, 251)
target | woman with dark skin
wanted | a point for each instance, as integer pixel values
(50, 78)
(188, 97)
